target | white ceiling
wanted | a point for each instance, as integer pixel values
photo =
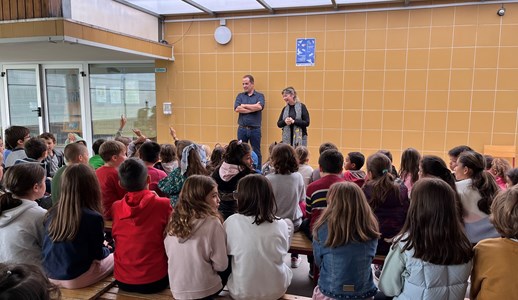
(181, 7)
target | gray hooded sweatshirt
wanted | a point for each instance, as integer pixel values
(21, 233)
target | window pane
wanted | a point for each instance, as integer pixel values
(122, 89)
(64, 103)
(22, 93)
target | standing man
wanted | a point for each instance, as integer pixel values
(249, 105)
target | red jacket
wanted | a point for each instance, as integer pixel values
(110, 189)
(139, 221)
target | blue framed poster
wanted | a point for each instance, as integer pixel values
(305, 52)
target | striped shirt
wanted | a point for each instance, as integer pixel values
(316, 196)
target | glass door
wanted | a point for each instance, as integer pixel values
(64, 109)
(22, 91)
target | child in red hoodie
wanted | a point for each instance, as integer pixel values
(139, 220)
(353, 163)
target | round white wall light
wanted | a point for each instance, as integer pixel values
(222, 35)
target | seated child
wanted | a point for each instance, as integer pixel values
(344, 244)
(55, 158)
(494, 265)
(388, 200)
(267, 167)
(26, 281)
(431, 258)
(75, 153)
(139, 221)
(196, 241)
(21, 219)
(316, 173)
(36, 151)
(511, 177)
(257, 242)
(15, 138)
(74, 255)
(499, 167)
(304, 168)
(96, 161)
(113, 154)
(168, 160)
(148, 153)
(330, 165)
(353, 163)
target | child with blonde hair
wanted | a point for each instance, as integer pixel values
(431, 257)
(344, 243)
(196, 241)
(494, 265)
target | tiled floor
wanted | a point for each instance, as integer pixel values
(301, 284)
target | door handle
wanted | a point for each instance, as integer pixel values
(38, 110)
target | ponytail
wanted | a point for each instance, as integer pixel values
(382, 181)
(8, 202)
(195, 165)
(487, 187)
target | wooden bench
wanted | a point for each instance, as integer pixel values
(115, 293)
(300, 244)
(89, 292)
(501, 151)
(108, 225)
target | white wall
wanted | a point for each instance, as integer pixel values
(115, 17)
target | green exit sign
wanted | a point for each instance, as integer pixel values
(160, 70)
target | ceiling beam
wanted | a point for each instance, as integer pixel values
(335, 6)
(200, 7)
(265, 5)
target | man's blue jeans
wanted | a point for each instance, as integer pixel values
(252, 136)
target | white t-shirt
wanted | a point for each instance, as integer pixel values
(258, 251)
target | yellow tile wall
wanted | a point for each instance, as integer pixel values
(426, 78)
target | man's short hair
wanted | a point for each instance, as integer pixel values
(357, 159)
(250, 77)
(35, 148)
(331, 161)
(456, 151)
(111, 148)
(72, 151)
(149, 152)
(133, 175)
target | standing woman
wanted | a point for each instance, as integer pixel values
(294, 119)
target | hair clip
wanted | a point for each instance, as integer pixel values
(385, 171)
(9, 272)
(239, 142)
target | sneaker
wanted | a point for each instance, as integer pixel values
(295, 262)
